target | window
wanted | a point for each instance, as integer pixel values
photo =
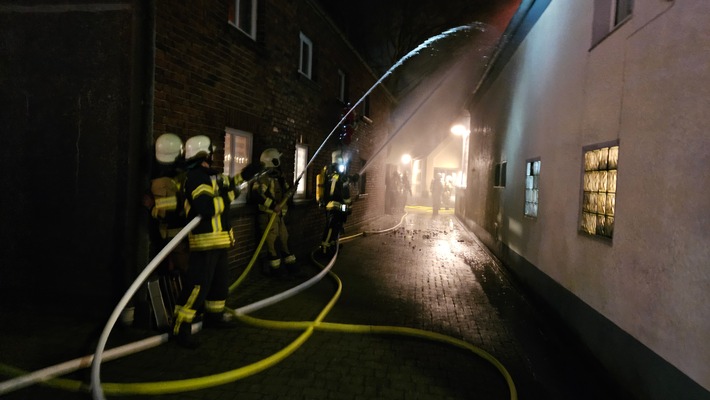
(242, 14)
(608, 14)
(362, 180)
(299, 165)
(463, 176)
(599, 198)
(532, 187)
(500, 175)
(342, 88)
(366, 106)
(237, 154)
(306, 61)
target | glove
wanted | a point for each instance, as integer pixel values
(251, 170)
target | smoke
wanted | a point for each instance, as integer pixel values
(435, 81)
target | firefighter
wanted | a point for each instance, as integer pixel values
(271, 194)
(208, 194)
(333, 195)
(166, 201)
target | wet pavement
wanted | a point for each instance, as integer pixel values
(420, 308)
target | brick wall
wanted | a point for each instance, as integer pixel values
(209, 76)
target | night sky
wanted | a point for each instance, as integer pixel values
(384, 31)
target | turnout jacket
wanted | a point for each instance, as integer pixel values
(335, 189)
(168, 207)
(209, 193)
(269, 190)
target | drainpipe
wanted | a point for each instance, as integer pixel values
(140, 138)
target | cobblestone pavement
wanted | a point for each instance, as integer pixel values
(430, 274)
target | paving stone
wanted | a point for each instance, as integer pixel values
(429, 274)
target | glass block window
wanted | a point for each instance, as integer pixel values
(599, 198)
(532, 187)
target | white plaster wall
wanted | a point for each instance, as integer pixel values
(647, 85)
(663, 246)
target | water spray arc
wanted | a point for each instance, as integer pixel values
(401, 125)
(389, 72)
(96, 387)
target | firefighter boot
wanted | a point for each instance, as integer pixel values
(185, 338)
(219, 320)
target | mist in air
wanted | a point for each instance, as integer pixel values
(433, 83)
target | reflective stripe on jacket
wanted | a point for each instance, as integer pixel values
(209, 195)
(268, 191)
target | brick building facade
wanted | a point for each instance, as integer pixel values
(86, 88)
(212, 75)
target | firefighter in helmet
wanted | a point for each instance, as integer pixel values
(333, 194)
(271, 194)
(208, 194)
(166, 201)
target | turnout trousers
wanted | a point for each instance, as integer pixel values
(206, 286)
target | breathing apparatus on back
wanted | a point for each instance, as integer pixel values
(338, 166)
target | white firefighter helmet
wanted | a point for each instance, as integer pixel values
(271, 158)
(168, 147)
(198, 146)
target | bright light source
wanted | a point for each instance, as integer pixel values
(459, 130)
(406, 159)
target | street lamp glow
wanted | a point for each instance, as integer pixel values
(406, 159)
(459, 130)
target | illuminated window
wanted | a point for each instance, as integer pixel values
(242, 14)
(299, 165)
(306, 61)
(608, 14)
(463, 177)
(599, 199)
(237, 154)
(532, 187)
(500, 172)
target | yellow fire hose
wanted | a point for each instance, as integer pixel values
(308, 327)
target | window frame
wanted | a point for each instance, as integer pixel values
(366, 107)
(299, 165)
(362, 180)
(609, 15)
(230, 166)
(532, 185)
(463, 178)
(587, 182)
(235, 17)
(306, 46)
(342, 89)
(499, 175)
